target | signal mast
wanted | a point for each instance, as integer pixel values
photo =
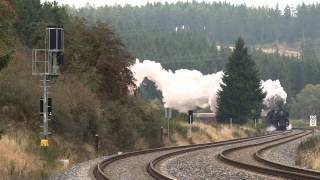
(46, 64)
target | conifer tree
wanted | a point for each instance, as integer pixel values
(241, 95)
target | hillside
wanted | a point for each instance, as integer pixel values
(90, 97)
(186, 35)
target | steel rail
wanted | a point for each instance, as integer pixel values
(259, 157)
(98, 170)
(272, 168)
(151, 168)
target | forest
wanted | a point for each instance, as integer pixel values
(198, 36)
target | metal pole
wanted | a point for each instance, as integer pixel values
(314, 131)
(45, 107)
(190, 130)
(168, 129)
(190, 127)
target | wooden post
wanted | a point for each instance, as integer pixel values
(97, 143)
(255, 123)
(161, 136)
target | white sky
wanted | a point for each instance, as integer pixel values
(270, 3)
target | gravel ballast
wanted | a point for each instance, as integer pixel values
(79, 171)
(204, 164)
(201, 164)
(284, 154)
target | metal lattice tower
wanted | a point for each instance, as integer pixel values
(45, 63)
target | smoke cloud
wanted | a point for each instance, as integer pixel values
(186, 89)
(274, 92)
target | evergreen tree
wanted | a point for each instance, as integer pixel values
(241, 95)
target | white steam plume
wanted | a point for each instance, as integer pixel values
(274, 91)
(187, 89)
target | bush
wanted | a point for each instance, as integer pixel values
(19, 94)
(122, 125)
(75, 110)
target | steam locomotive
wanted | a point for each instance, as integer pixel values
(278, 118)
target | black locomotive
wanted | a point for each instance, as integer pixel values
(279, 118)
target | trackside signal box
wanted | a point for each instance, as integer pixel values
(44, 143)
(49, 106)
(55, 48)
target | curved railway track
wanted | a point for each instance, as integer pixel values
(254, 160)
(144, 163)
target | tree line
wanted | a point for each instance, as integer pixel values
(186, 35)
(219, 21)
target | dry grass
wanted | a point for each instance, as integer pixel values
(310, 159)
(21, 157)
(16, 160)
(180, 141)
(309, 153)
(73, 152)
(205, 133)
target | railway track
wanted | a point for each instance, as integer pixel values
(145, 164)
(254, 160)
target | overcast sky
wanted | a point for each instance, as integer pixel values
(270, 3)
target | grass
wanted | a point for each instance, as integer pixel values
(22, 158)
(182, 130)
(299, 123)
(209, 132)
(16, 161)
(309, 153)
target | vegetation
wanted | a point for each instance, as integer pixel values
(204, 132)
(241, 96)
(90, 97)
(92, 89)
(32, 16)
(215, 19)
(299, 123)
(94, 93)
(7, 33)
(307, 102)
(309, 153)
(186, 35)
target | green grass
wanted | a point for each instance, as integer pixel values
(299, 123)
(183, 131)
(49, 154)
(311, 143)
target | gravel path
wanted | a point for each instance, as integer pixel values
(80, 171)
(204, 164)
